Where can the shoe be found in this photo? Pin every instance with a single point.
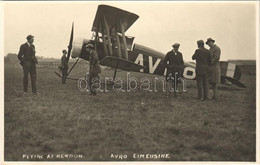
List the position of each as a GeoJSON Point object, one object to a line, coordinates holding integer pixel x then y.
{"type": "Point", "coordinates": [214, 98]}
{"type": "Point", "coordinates": [90, 94]}
{"type": "Point", "coordinates": [36, 93]}
{"type": "Point", "coordinates": [205, 98]}
{"type": "Point", "coordinates": [25, 93]}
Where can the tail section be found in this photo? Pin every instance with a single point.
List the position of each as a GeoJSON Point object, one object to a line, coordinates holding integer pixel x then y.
{"type": "Point", "coordinates": [230, 73]}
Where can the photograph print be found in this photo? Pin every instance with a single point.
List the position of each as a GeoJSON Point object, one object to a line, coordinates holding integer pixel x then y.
{"type": "Point", "coordinates": [129, 81]}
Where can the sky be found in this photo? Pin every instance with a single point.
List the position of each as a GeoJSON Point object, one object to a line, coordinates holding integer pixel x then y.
{"type": "Point", "coordinates": [233, 25]}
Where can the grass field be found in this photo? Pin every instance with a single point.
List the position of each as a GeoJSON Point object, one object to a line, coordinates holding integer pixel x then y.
{"type": "Point", "coordinates": [63, 120]}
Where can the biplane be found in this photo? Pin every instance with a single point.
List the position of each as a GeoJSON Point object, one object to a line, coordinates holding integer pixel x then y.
{"type": "Point", "coordinates": [116, 50]}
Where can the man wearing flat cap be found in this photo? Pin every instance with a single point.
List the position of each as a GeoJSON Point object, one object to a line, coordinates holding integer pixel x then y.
{"type": "Point", "coordinates": [173, 61]}
{"type": "Point", "coordinates": [64, 66]}
{"type": "Point", "coordinates": [94, 68]}
{"type": "Point", "coordinates": [203, 60]}
{"type": "Point", "coordinates": [28, 60]}
{"type": "Point", "coordinates": [214, 68]}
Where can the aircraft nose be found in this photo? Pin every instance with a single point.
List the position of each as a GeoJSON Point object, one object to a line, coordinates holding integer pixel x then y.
{"type": "Point", "coordinates": [77, 47]}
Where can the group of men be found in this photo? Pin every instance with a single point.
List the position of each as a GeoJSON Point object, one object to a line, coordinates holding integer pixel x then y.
{"type": "Point", "coordinates": [207, 67]}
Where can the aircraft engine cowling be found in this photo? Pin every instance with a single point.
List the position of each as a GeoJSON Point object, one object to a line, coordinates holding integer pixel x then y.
{"type": "Point", "coordinates": [77, 46]}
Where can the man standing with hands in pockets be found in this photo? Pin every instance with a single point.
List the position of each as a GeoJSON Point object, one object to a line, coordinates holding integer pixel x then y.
{"type": "Point", "coordinates": [28, 60]}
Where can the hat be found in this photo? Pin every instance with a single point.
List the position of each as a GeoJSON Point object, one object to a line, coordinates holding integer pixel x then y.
{"type": "Point", "coordinates": [89, 46]}
{"type": "Point", "coordinates": [176, 45]}
{"type": "Point", "coordinates": [200, 42]}
{"type": "Point", "coordinates": [64, 51]}
{"type": "Point", "coordinates": [29, 37]}
{"type": "Point", "coordinates": [210, 39]}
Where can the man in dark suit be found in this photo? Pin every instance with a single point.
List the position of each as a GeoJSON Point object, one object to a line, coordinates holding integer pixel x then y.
{"type": "Point", "coordinates": [94, 68]}
{"type": "Point", "coordinates": [28, 60]}
{"type": "Point", "coordinates": [203, 59]}
{"type": "Point", "coordinates": [173, 61]}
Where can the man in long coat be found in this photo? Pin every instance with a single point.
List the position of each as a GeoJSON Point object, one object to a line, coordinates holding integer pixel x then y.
{"type": "Point", "coordinates": [173, 61]}
{"type": "Point", "coordinates": [203, 60]}
{"type": "Point", "coordinates": [94, 68]}
{"type": "Point", "coordinates": [214, 68]}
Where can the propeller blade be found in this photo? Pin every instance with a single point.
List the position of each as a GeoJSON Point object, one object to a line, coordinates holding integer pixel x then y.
{"type": "Point", "coordinates": [71, 40]}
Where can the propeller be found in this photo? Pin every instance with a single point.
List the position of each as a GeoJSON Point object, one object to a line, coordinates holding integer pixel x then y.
{"type": "Point", "coordinates": [70, 44]}
{"type": "Point", "coordinates": [69, 49]}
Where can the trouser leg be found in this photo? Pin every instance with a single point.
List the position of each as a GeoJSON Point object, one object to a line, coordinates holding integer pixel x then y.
{"type": "Point", "coordinates": [63, 77]}
{"type": "Point", "coordinates": [64, 74]}
{"type": "Point", "coordinates": [205, 85]}
{"type": "Point", "coordinates": [90, 83]}
{"type": "Point", "coordinates": [215, 91]}
{"type": "Point", "coordinates": [92, 78]}
{"type": "Point", "coordinates": [169, 83]}
{"type": "Point", "coordinates": [199, 85]}
{"type": "Point", "coordinates": [175, 82]}
{"type": "Point", "coordinates": [175, 85]}
{"type": "Point", "coordinates": [33, 77]}
{"type": "Point", "coordinates": [63, 80]}
{"type": "Point", "coordinates": [167, 87]}
{"type": "Point", "coordinates": [25, 76]}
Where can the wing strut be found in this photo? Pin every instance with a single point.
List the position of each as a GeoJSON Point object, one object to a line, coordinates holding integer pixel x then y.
{"type": "Point", "coordinates": [118, 46]}
{"type": "Point", "coordinates": [115, 74]}
{"type": "Point", "coordinates": [96, 39]}
{"type": "Point", "coordinates": [124, 40]}
{"type": "Point", "coordinates": [103, 38]}
{"type": "Point", "coordinates": [115, 70]}
{"type": "Point", "coordinates": [108, 35]}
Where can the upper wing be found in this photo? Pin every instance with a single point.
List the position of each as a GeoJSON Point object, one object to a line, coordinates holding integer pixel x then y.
{"type": "Point", "coordinates": [113, 17]}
